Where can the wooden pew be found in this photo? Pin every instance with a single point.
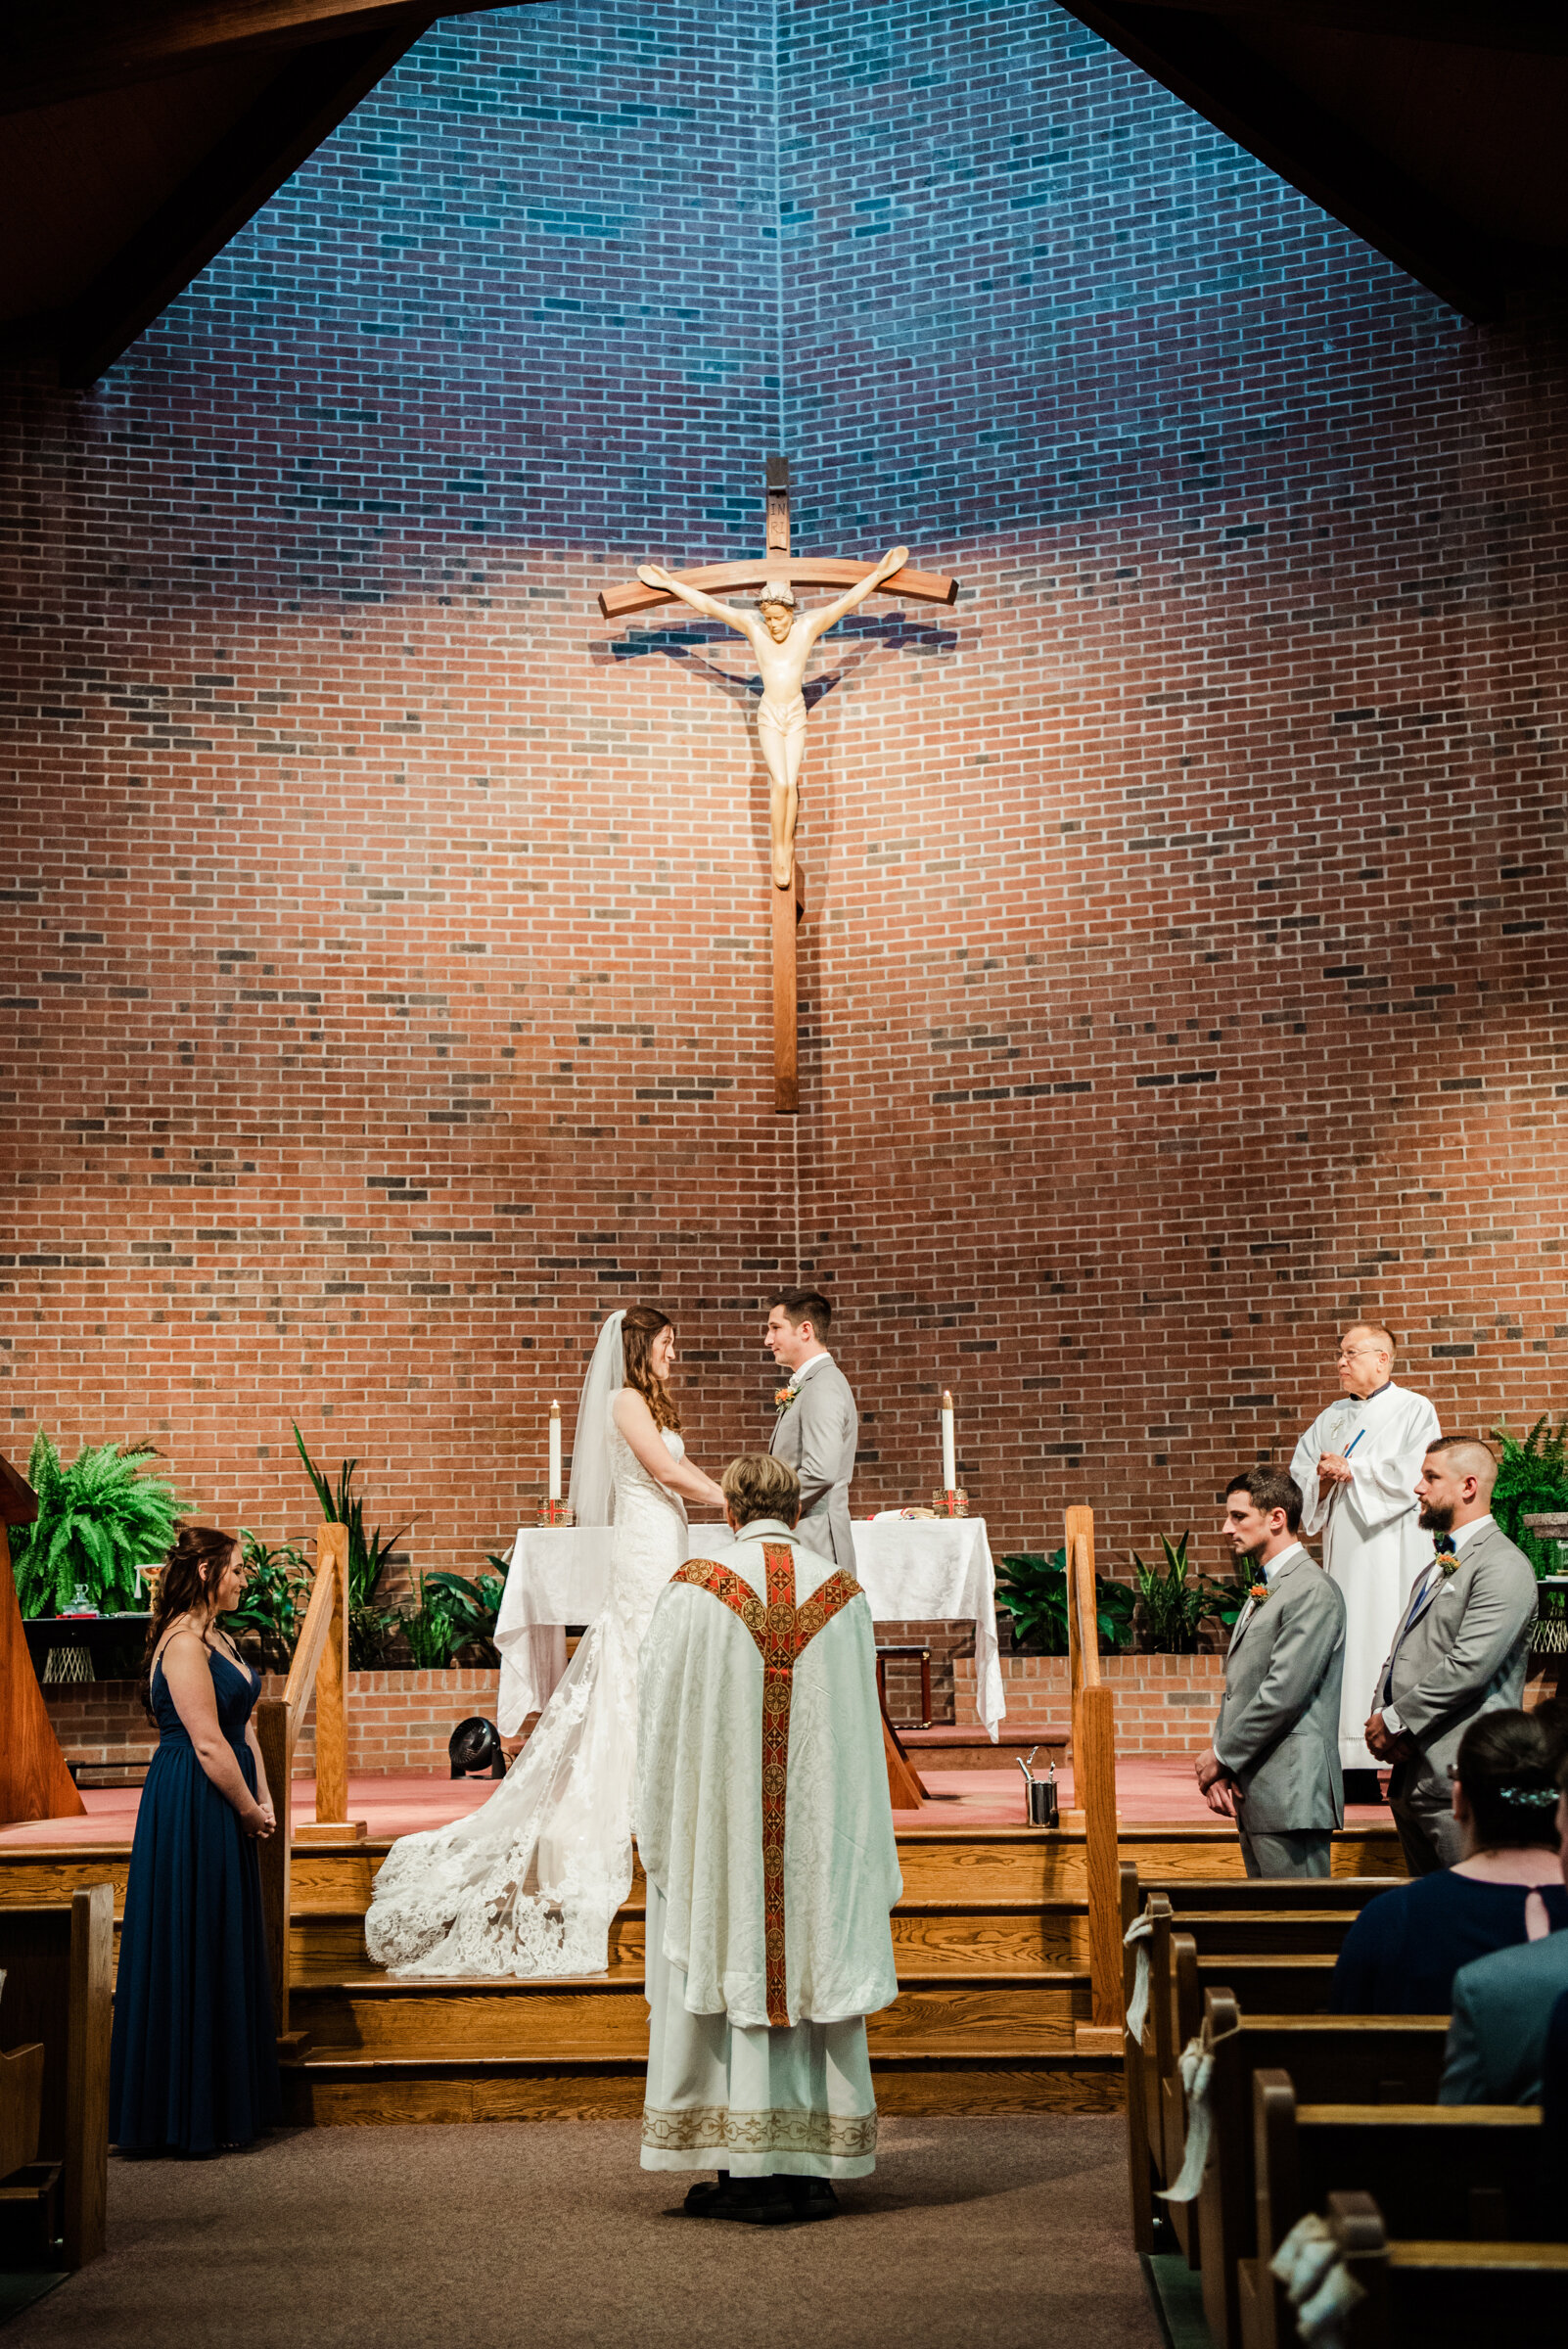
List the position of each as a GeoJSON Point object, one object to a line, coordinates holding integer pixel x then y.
{"type": "Point", "coordinates": [1333, 2059]}
{"type": "Point", "coordinates": [1291, 1918]}
{"type": "Point", "coordinates": [1300, 1984]}
{"type": "Point", "coordinates": [59, 1969]}
{"type": "Point", "coordinates": [1242, 1893]}
{"type": "Point", "coordinates": [1434, 2170]}
{"type": "Point", "coordinates": [1427, 2293]}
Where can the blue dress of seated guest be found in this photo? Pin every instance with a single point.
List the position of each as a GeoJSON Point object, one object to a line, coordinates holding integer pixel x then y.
{"type": "Point", "coordinates": [1403, 1952]}
{"type": "Point", "coordinates": [194, 2065]}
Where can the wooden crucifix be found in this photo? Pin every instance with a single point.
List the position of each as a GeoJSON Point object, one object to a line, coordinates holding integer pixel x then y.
{"type": "Point", "coordinates": [781, 632]}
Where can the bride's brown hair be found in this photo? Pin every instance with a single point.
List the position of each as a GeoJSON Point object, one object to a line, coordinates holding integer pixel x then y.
{"type": "Point", "coordinates": [641, 1325]}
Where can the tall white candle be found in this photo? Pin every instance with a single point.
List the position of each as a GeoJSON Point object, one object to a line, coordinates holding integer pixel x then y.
{"type": "Point", "coordinates": [949, 1454]}
{"type": "Point", "coordinates": [555, 1451]}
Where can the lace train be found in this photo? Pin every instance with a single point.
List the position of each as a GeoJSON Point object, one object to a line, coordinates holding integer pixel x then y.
{"type": "Point", "coordinates": [529, 1884]}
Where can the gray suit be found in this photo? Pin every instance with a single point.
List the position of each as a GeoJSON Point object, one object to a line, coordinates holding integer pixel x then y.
{"type": "Point", "coordinates": [1462, 1648]}
{"type": "Point", "coordinates": [817, 1436]}
{"type": "Point", "coordinates": [1277, 1733]}
{"type": "Point", "coordinates": [1502, 2012]}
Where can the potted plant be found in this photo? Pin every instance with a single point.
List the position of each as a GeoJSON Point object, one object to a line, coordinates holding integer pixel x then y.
{"type": "Point", "coordinates": [369, 1625]}
{"type": "Point", "coordinates": [1032, 1588]}
{"type": "Point", "coordinates": [277, 1593]}
{"type": "Point", "coordinates": [1533, 1482]}
{"type": "Point", "coordinates": [100, 1521]}
{"type": "Point", "coordinates": [1170, 1607]}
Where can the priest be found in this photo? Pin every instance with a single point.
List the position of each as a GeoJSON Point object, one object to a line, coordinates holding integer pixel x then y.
{"type": "Point", "coordinates": [1355, 1469]}
{"type": "Point", "coordinates": [763, 1823]}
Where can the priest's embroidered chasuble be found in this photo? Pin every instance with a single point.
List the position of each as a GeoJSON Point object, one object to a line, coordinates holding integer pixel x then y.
{"type": "Point", "coordinates": [762, 1820]}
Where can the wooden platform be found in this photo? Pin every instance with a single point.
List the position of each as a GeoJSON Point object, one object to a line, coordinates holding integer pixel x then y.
{"type": "Point", "coordinates": [992, 1937]}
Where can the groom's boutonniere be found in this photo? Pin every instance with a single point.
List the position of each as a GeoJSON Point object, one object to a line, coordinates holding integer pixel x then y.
{"type": "Point", "coordinates": [1257, 1592]}
{"type": "Point", "coordinates": [783, 1396]}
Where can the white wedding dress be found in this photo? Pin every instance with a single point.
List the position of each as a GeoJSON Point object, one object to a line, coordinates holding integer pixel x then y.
{"type": "Point", "coordinates": [529, 1882]}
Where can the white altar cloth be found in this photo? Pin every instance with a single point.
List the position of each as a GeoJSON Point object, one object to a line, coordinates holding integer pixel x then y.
{"type": "Point", "coordinates": [920, 1569]}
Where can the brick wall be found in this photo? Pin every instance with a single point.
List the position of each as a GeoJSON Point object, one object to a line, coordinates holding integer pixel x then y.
{"type": "Point", "coordinates": [385, 936]}
{"type": "Point", "coordinates": [396, 1719]}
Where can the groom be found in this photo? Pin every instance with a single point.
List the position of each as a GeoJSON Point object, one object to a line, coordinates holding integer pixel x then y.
{"type": "Point", "coordinates": [817, 1426]}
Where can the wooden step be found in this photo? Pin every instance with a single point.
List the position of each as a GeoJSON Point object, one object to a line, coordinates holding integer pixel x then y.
{"type": "Point", "coordinates": [570, 2019]}
{"type": "Point", "coordinates": [949, 1748]}
{"type": "Point", "coordinates": [330, 2089]}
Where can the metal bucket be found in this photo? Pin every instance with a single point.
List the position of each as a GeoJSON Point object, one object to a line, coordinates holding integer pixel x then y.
{"type": "Point", "coordinates": [1043, 1810]}
{"type": "Point", "coordinates": [1041, 1795]}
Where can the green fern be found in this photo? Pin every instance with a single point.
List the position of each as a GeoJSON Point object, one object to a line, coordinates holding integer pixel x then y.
{"type": "Point", "coordinates": [99, 1521]}
{"type": "Point", "coordinates": [1532, 1482]}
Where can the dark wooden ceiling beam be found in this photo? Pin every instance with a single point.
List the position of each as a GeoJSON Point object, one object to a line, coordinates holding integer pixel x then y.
{"type": "Point", "coordinates": [54, 50]}
{"type": "Point", "coordinates": [1526, 28]}
{"type": "Point", "coordinates": [1202, 62]}
{"type": "Point", "coordinates": [312, 93]}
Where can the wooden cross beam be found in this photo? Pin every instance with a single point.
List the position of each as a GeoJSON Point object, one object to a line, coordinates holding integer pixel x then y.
{"type": "Point", "coordinates": [777, 562]}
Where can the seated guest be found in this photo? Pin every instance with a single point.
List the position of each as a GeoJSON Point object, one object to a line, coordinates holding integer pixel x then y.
{"type": "Point", "coordinates": [194, 2065]}
{"type": "Point", "coordinates": [1503, 2009]}
{"type": "Point", "coordinates": [1403, 1952]}
{"type": "Point", "coordinates": [1461, 1648]}
{"type": "Point", "coordinates": [1273, 1766]}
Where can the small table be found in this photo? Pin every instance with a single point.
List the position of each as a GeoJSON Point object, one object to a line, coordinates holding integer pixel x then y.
{"type": "Point", "coordinates": [922, 1569]}
{"type": "Point", "coordinates": [97, 1634]}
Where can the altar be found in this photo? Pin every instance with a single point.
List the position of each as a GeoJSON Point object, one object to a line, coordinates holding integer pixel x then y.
{"type": "Point", "coordinates": [910, 1568]}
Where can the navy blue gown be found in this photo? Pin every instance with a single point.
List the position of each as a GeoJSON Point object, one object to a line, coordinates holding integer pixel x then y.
{"type": "Point", "coordinates": [1403, 1952]}
{"type": "Point", "coordinates": [195, 2060]}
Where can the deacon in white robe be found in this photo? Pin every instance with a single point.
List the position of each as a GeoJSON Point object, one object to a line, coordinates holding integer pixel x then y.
{"type": "Point", "coordinates": [765, 1832]}
{"type": "Point", "coordinates": [1355, 1469]}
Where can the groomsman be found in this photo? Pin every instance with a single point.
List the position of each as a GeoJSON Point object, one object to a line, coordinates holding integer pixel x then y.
{"type": "Point", "coordinates": [816, 1426]}
{"type": "Point", "coordinates": [1273, 1766]}
{"type": "Point", "coordinates": [1355, 1469]}
{"type": "Point", "coordinates": [1461, 1647]}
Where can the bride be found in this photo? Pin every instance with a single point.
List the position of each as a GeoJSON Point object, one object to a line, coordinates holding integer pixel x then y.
{"type": "Point", "coordinates": [528, 1883]}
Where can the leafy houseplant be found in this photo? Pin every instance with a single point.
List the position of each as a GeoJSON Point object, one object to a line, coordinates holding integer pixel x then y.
{"type": "Point", "coordinates": [473, 1607]}
{"type": "Point", "coordinates": [452, 1613]}
{"type": "Point", "coordinates": [1032, 1588]}
{"type": "Point", "coordinates": [1170, 1607]}
{"type": "Point", "coordinates": [98, 1521]}
{"type": "Point", "coordinates": [1532, 1481]}
{"type": "Point", "coordinates": [276, 1597]}
{"type": "Point", "coordinates": [368, 1553]}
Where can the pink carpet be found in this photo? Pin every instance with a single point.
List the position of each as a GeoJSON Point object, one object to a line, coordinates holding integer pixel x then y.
{"type": "Point", "coordinates": [1148, 1794]}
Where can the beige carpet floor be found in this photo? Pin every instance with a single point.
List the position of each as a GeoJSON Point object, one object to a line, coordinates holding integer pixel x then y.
{"type": "Point", "coordinates": [1006, 2233]}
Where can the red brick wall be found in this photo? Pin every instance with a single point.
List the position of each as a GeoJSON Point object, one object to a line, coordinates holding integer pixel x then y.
{"type": "Point", "coordinates": [396, 1719]}
{"type": "Point", "coordinates": [385, 936]}
{"type": "Point", "coordinates": [1165, 1705]}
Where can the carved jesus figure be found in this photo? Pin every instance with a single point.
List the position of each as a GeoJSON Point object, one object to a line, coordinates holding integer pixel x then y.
{"type": "Point", "coordinates": [782, 634]}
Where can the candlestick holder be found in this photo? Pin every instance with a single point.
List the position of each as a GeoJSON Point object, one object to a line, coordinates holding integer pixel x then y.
{"type": "Point", "coordinates": [556, 1512]}
{"type": "Point", "coordinates": [953, 1503]}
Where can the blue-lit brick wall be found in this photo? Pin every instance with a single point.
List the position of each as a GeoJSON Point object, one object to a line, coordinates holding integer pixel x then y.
{"type": "Point", "coordinates": [387, 935]}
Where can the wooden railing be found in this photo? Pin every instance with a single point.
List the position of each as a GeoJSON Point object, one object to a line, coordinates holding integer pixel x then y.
{"type": "Point", "coordinates": [320, 1665]}
{"type": "Point", "coordinates": [1095, 1773]}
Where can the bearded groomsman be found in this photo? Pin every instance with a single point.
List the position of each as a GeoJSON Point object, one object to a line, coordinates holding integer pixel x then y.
{"type": "Point", "coordinates": [1273, 1766]}
{"type": "Point", "coordinates": [817, 1426]}
{"type": "Point", "coordinates": [1463, 1647]}
{"type": "Point", "coordinates": [1355, 1469]}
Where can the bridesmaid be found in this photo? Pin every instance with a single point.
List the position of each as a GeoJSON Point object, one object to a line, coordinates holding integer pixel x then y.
{"type": "Point", "coordinates": [195, 2062]}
